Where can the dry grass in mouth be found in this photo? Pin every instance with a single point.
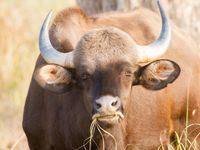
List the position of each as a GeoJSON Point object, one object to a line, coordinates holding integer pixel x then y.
{"type": "Point", "coordinates": [108, 116]}
{"type": "Point", "coordinates": [90, 138]}
{"type": "Point", "coordinates": [95, 126]}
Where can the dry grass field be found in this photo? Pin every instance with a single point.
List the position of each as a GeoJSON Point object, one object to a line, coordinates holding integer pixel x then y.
{"type": "Point", "coordinates": [20, 21]}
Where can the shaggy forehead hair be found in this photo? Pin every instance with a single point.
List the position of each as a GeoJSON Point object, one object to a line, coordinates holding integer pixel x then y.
{"type": "Point", "coordinates": [102, 46]}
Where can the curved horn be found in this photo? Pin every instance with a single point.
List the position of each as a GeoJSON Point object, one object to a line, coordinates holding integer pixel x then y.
{"type": "Point", "coordinates": [50, 54]}
{"type": "Point", "coordinates": [158, 47]}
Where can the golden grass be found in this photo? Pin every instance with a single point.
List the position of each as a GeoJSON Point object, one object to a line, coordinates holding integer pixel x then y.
{"type": "Point", "coordinates": [182, 141]}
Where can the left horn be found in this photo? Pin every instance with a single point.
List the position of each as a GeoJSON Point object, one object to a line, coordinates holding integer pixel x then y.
{"type": "Point", "coordinates": [158, 47]}
{"type": "Point", "coordinates": [48, 52]}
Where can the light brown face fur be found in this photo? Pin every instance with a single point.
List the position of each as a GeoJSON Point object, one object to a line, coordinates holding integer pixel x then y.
{"type": "Point", "coordinates": [106, 63]}
{"type": "Point", "coordinates": [102, 59]}
{"type": "Point", "coordinates": [100, 47]}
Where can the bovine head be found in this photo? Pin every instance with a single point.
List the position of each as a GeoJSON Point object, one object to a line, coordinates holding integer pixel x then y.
{"type": "Point", "coordinates": [107, 64]}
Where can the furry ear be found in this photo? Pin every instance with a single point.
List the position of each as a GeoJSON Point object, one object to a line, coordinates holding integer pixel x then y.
{"type": "Point", "coordinates": [158, 74]}
{"type": "Point", "coordinates": [54, 78]}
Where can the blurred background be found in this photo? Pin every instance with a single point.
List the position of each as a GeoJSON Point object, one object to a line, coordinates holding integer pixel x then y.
{"type": "Point", "coordinates": [20, 22]}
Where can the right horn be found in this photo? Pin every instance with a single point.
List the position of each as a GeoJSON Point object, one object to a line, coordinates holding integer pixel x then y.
{"type": "Point", "coordinates": [158, 47]}
{"type": "Point", "coordinates": [48, 52]}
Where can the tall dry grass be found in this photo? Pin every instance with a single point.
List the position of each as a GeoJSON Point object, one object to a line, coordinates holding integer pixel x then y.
{"type": "Point", "coordinates": [20, 21]}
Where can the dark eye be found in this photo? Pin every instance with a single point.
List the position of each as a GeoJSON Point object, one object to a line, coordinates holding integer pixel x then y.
{"type": "Point", "coordinates": [129, 73]}
{"type": "Point", "coordinates": [85, 76]}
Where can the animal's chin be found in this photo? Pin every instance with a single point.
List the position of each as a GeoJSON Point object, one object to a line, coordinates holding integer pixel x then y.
{"type": "Point", "coordinates": [110, 119]}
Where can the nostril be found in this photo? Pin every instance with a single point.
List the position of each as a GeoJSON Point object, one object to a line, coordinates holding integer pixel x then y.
{"type": "Point", "coordinates": [98, 105]}
{"type": "Point", "coordinates": [114, 103]}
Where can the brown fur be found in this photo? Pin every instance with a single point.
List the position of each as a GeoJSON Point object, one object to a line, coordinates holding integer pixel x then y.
{"type": "Point", "coordinates": [54, 121]}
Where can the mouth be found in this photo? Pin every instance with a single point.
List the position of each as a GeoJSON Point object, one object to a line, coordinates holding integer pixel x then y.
{"type": "Point", "coordinates": [108, 118]}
